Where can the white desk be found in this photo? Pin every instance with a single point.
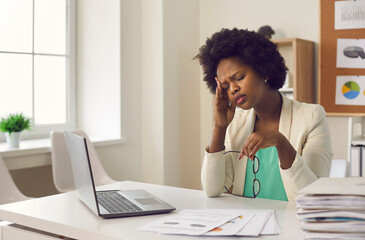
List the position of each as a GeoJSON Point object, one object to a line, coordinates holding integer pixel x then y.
{"type": "Point", "coordinates": [65, 215]}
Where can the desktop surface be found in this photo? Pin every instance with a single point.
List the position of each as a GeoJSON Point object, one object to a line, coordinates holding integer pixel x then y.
{"type": "Point", "coordinates": [66, 215]}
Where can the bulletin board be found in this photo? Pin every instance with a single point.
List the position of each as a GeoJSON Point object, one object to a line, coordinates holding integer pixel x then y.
{"type": "Point", "coordinates": [328, 70]}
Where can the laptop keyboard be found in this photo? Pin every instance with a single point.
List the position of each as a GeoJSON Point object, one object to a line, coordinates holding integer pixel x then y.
{"type": "Point", "coordinates": [113, 202]}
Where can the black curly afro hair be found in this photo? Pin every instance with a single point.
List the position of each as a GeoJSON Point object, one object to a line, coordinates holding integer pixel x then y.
{"type": "Point", "coordinates": [251, 48]}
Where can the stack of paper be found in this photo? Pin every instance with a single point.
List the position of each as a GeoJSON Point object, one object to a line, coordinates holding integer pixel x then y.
{"type": "Point", "coordinates": [333, 208]}
{"type": "Point", "coordinates": [217, 222]}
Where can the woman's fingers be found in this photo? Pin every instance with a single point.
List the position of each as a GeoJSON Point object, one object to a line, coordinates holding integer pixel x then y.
{"type": "Point", "coordinates": [218, 91]}
{"type": "Point", "coordinates": [258, 140]}
{"type": "Point", "coordinates": [222, 92]}
{"type": "Point", "coordinates": [224, 111]}
{"type": "Point", "coordinates": [251, 146]}
{"type": "Point", "coordinates": [244, 151]}
{"type": "Point", "coordinates": [255, 148]}
{"type": "Point", "coordinates": [221, 95]}
{"type": "Point", "coordinates": [219, 85]}
{"type": "Point", "coordinates": [254, 141]}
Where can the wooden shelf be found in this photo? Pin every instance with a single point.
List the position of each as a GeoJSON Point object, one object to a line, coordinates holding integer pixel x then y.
{"type": "Point", "coordinates": [299, 58]}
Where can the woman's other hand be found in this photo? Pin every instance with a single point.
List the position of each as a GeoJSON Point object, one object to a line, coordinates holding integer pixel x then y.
{"type": "Point", "coordinates": [265, 139]}
{"type": "Point", "coordinates": [258, 140]}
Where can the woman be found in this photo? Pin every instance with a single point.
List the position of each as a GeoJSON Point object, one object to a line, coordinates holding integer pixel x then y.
{"type": "Point", "coordinates": [263, 144]}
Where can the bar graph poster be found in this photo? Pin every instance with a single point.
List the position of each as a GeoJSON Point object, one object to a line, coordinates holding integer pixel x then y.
{"type": "Point", "coordinates": [350, 90]}
{"type": "Point", "coordinates": [349, 14]}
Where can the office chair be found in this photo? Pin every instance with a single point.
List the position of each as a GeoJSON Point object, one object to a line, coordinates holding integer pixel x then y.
{"type": "Point", "coordinates": [339, 168]}
{"type": "Point", "coordinates": [9, 192]}
{"type": "Point", "coordinates": [61, 166]}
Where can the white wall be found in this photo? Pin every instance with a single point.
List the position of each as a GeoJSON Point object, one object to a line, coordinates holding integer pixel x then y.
{"type": "Point", "coordinates": [105, 55]}
{"type": "Point", "coordinates": [98, 67]}
{"type": "Point", "coordinates": [160, 89]}
{"type": "Point", "coordinates": [151, 91]}
{"type": "Point", "coordinates": [339, 127]}
{"type": "Point", "coordinates": [159, 81]}
{"type": "Point", "coordinates": [127, 164]}
{"type": "Point", "coordinates": [181, 93]}
{"type": "Point", "coordinates": [289, 18]}
{"type": "Point", "coordinates": [170, 93]}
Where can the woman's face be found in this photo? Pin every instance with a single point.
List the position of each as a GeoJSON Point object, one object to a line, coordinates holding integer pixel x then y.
{"type": "Point", "coordinates": [243, 85]}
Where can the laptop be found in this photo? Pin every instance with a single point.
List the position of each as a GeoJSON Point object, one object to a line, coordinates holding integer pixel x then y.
{"type": "Point", "coordinates": [110, 203]}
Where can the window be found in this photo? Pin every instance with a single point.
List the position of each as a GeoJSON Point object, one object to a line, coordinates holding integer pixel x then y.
{"type": "Point", "coordinates": [37, 63]}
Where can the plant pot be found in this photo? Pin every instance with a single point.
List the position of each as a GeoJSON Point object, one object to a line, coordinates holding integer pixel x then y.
{"type": "Point", "coordinates": [13, 139]}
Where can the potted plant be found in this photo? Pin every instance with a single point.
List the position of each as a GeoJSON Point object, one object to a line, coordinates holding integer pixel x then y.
{"type": "Point", "coordinates": [12, 126]}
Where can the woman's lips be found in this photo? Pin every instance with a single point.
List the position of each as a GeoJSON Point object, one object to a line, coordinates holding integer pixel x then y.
{"type": "Point", "coordinates": [240, 99]}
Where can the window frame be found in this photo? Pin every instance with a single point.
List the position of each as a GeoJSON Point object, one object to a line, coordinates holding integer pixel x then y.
{"type": "Point", "coordinates": [43, 130]}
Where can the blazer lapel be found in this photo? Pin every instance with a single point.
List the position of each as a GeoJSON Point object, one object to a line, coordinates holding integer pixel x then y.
{"type": "Point", "coordinates": [240, 172]}
{"type": "Point", "coordinates": [286, 117]}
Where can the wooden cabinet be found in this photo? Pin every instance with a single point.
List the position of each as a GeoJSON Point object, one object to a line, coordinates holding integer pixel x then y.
{"type": "Point", "coordinates": [299, 58]}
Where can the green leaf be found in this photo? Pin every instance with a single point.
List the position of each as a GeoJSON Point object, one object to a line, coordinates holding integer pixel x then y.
{"type": "Point", "coordinates": [15, 123]}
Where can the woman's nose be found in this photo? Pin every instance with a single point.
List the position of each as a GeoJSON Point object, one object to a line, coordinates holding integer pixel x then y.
{"type": "Point", "coordinates": [234, 88]}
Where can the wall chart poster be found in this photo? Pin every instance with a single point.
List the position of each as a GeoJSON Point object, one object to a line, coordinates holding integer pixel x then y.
{"type": "Point", "coordinates": [349, 14]}
{"type": "Point", "coordinates": [350, 90]}
{"type": "Point", "coordinates": [350, 53]}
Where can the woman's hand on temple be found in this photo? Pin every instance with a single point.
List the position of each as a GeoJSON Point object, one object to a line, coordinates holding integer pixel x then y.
{"type": "Point", "coordinates": [223, 110]}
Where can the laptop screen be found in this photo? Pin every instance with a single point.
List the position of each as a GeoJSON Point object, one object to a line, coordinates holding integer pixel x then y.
{"type": "Point", "coordinates": [81, 170]}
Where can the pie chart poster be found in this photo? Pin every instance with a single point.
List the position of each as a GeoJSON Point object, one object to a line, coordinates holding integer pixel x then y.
{"type": "Point", "coordinates": [350, 53]}
{"type": "Point", "coordinates": [350, 90]}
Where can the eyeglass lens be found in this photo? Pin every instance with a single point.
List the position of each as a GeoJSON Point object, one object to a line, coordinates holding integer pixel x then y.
{"type": "Point", "coordinates": [256, 165]}
{"type": "Point", "coordinates": [256, 183]}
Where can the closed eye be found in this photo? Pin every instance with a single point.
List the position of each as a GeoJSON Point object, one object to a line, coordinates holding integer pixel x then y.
{"type": "Point", "coordinates": [240, 78]}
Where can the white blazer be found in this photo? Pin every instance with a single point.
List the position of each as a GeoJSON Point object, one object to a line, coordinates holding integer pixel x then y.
{"type": "Point", "coordinates": [306, 128]}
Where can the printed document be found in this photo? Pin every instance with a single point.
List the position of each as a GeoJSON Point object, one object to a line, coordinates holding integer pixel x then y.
{"type": "Point", "coordinates": [217, 222]}
{"type": "Point", "coordinates": [192, 222]}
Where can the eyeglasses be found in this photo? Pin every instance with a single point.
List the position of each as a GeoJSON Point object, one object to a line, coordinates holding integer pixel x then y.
{"type": "Point", "coordinates": [256, 185]}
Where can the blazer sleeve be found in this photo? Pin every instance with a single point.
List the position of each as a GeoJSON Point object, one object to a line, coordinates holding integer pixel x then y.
{"type": "Point", "coordinates": [316, 156]}
{"type": "Point", "coordinates": [217, 172]}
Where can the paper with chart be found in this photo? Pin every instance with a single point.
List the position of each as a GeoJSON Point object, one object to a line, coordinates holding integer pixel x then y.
{"type": "Point", "coordinates": [256, 225]}
{"type": "Point", "coordinates": [350, 90]}
{"type": "Point", "coordinates": [233, 226]}
{"type": "Point", "coordinates": [349, 14]}
{"type": "Point", "coordinates": [192, 222]}
{"type": "Point", "coordinates": [217, 222]}
{"type": "Point", "coordinates": [250, 223]}
{"type": "Point", "coordinates": [350, 53]}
